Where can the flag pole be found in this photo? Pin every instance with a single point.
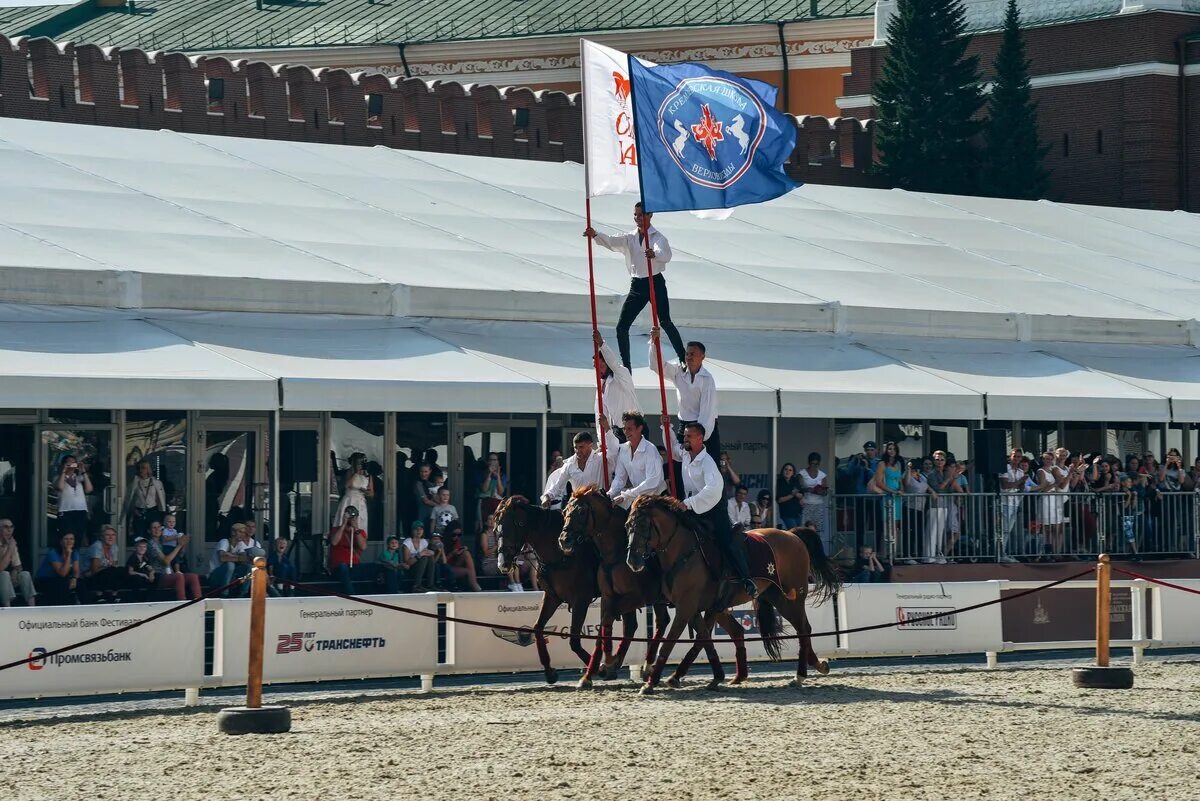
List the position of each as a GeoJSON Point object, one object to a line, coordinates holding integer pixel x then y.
{"type": "Point", "coordinates": [587, 209]}
{"type": "Point", "coordinates": [645, 226]}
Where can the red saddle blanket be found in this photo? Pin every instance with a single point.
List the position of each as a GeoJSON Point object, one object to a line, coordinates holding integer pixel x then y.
{"type": "Point", "coordinates": [761, 558]}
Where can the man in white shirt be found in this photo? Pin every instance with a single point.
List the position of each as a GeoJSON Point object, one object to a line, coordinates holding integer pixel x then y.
{"type": "Point", "coordinates": [739, 508]}
{"type": "Point", "coordinates": [1012, 484]}
{"type": "Point", "coordinates": [617, 388]}
{"type": "Point", "coordinates": [636, 253]}
{"type": "Point", "coordinates": [638, 466]}
{"type": "Point", "coordinates": [584, 467]}
{"type": "Point", "coordinates": [696, 392]}
{"type": "Point", "coordinates": [704, 488]}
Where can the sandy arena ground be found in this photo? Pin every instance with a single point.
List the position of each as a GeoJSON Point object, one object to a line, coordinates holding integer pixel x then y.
{"type": "Point", "coordinates": [902, 734]}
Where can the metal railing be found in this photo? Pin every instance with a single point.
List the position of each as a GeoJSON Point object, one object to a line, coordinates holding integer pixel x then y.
{"type": "Point", "coordinates": [1018, 526]}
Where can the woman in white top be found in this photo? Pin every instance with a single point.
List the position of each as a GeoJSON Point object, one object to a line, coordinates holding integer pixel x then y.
{"type": "Point", "coordinates": [916, 487]}
{"type": "Point", "coordinates": [1050, 505]}
{"type": "Point", "coordinates": [814, 484]}
{"type": "Point", "coordinates": [73, 487]}
{"type": "Point", "coordinates": [358, 486]}
{"type": "Point", "coordinates": [147, 501]}
{"type": "Point", "coordinates": [419, 559]}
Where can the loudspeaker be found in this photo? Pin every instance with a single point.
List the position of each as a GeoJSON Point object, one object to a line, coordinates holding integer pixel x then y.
{"type": "Point", "coordinates": [297, 456]}
{"type": "Point", "coordinates": [988, 445]}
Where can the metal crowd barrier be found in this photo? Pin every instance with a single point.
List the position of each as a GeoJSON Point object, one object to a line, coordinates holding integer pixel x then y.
{"type": "Point", "coordinates": [1017, 527]}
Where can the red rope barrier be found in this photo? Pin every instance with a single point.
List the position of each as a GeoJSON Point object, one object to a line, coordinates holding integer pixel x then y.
{"type": "Point", "coordinates": [106, 635]}
{"type": "Point", "coordinates": [1156, 581]}
{"type": "Point", "coordinates": [504, 627]}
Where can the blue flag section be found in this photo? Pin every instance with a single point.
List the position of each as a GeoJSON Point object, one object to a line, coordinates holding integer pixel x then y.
{"type": "Point", "coordinates": [707, 139]}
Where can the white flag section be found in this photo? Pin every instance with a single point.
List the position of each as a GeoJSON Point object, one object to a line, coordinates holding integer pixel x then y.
{"type": "Point", "coordinates": [609, 148]}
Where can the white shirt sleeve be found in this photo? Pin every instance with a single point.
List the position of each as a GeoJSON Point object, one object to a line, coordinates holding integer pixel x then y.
{"type": "Point", "coordinates": [617, 244]}
{"type": "Point", "coordinates": [708, 407]}
{"type": "Point", "coordinates": [674, 448]}
{"type": "Point", "coordinates": [662, 248]}
{"type": "Point", "coordinates": [555, 482]}
{"type": "Point", "coordinates": [670, 368]}
{"type": "Point", "coordinates": [620, 476]}
{"type": "Point", "coordinates": [714, 489]}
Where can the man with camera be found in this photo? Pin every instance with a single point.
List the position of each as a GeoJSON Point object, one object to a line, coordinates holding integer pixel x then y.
{"type": "Point", "coordinates": [73, 487]}
{"type": "Point", "coordinates": [346, 543]}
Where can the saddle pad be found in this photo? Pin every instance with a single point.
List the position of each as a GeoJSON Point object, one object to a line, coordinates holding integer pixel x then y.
{"type": "Point", "coordinates": [761, 558]}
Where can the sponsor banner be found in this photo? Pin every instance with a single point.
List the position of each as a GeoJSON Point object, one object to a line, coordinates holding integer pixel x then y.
{"type": "Point", "coordinates": [478, 649]}
{"type": "Point", "coordinates": [164, 655]}
{"type": "Point", "coordinates": [1177, 621]}
{"type": "Point", "coordinates": [904, 606]}
{"type": "Point", "coordinates": [318, 639]}
{"type": "Point", "coordinates": [1063, 614]}
{"type": "Point", "coordinates": [820, 618]}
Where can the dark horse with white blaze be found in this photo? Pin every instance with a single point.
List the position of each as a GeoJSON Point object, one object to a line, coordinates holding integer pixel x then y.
{"type": "Point", "coordinates": [591, 517]}
{"type": "Point", "coordinates": [563, 579]}
{"type": "Point", "coordinates": [656, 526]}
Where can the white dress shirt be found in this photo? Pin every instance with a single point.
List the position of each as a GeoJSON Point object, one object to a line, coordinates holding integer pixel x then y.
{"type": "Point", "coordinates": [697, 394]}
{"type": "Point", "coordinates": [620, 395]}
{"type": "Point", "coordinates": [739, 515]}
{"type": "Point", "coordinates": [578, 477]}
{"type": "Point", "coordinates": [641, 471]}
{"type": "Point", "coordinates": [702, 481]}
{"type": "Point", "coordinates": [635, 253]}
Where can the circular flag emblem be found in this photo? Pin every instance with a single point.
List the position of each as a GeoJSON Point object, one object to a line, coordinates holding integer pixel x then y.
{"type": "Point", "coordinates": [711, 127]}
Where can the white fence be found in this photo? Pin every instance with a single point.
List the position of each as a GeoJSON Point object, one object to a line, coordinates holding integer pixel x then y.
{"type": "Point", "coordinates": [323, 639]}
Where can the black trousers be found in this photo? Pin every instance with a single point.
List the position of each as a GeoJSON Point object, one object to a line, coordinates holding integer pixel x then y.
{"type": "Point", "coordinates": [635, 301]}
{"type": "Point", "coordinates": [718, 518]}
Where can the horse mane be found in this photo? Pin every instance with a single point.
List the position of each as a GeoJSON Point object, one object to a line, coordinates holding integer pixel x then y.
{"type": "Point", "coordinates": [589, 489]}
{"type": "Point", "coordinates": [651, 502]}
{"type": "Point", "coordinates": [511, 500]}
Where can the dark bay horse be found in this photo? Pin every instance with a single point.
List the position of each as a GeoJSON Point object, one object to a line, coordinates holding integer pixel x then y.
{"type": "Point", "coordinates": [591, 515]}
{"type": "Point", "coordinates": [656, 527]}
{"type": "Point", "coordinates": [563, 579]}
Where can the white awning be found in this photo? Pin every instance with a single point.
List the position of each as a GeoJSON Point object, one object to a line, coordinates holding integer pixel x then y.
{"type": "Point", "coordinates": [342, 363]}
{"type": "Point", "coordinates": [98, 359]}
{"type": "Point", "coordinates": [1173, 372]}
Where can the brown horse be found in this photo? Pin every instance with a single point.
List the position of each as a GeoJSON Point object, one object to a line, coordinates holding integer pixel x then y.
{"type": "Point", "coordinates": [563, 579]}
{"type": "Point", "coordinates": [655, 526]}
{"type": "Point", "coordinates": [590, 514]}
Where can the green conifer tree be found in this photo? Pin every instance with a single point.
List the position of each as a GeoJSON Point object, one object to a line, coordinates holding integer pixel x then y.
{"type": "Point", "coordinates": [927, 98]}
{"type": "Point", "coordinates": [1012, 163]}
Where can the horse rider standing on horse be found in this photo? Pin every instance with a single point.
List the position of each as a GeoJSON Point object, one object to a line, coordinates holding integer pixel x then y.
{"type": "Point", "coordinates": [639, 468]}
{"type": "Point", "coordinates": [584, 467]}
{"type": "Point", "coordinates": [696, 392]}
{"type": "Point", "coordinates": [617, 388]}
{"type": "Point", "coordinates": [636, 252]}
{"type": "Point", "coordinates": [704, 490]}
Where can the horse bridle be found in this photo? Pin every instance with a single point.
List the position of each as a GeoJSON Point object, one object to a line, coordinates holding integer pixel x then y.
{"type": "Point", "coordinates": [673, 571]}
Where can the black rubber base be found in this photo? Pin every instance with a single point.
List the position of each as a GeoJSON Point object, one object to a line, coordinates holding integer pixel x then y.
{"type": "Point", "coordinates": [264, 720]}
{"type": "Point", "coordinates": [1102, 678]}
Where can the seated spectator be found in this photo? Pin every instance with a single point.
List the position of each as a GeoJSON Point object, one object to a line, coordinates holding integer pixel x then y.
{"type": "Point", "coordinates": [104, 572]}
{"type": "Point", "coordinates": [419, 559]}
{"type": "Point", "coordinates": [12, 577]}
{"type": "Point", "coordinates": [442, 513]}
{"type": "Point", "coordinates": [233, 559]}
{"type": "Point", "coordinates": [443, 578]}
{"type": "Point", "coordinates": [739, 509]}
{"type": "Point", "coordinates": [184, 585]}
{"type": "Point", "coordinates": [392, 568]}
{"type": "Point", "coordinates": [487, 547]}
{"type": "Point", "coordinates": [346, 543]}
{"type": "Point", "coordinates": [140, 569]}
{"type": "Point", "coordinates": [867, 567]}
{"type": "Point", "coordinates": [762, 514]}
{"type": "Point", "coordinates": [57, 577]}
{"type": "Point", "coordinates": [458, 557]}
{"type": "Point", "coordinates": [280, 567]}
{"type": "Point", "coordinates": [174, 544]}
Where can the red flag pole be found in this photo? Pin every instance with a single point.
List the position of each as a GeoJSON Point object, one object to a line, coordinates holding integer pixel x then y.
{"type": "Point", "coordinates": [596, 360]}
{"type": "Point", "coordinates": [662, 381]}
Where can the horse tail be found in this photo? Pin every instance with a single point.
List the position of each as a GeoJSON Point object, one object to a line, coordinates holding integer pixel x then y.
{"type": "Point", "coordinates": [824, 571]}
{"type": "Point", "coordinates": [769, 627]}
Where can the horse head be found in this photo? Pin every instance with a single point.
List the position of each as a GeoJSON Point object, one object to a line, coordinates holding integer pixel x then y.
{"type": "Point", "coordinates": [644, 529]}
{"type": "Point", "coordinates": [512, 522]}
{"type": "Point", "coordinates": [588, 513]}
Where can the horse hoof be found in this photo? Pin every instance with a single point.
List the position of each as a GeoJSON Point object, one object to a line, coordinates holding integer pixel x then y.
{"type": "Point", "coordinates": [823, 667]}
{"type": "Point", "coordinates": [584, 684]}
{"type": "Point", "coordinates": [736, 680]}
{"type": "Point", "coordinates": [551, 675]}
{"type": "Point", "coordinates": [610, 672]}
{"type": "Point", "coordinates": [674, 682]}
{"type": "Point", "coordinates": [646, 672]}
{"type": "Point", "coordinates": [715, 684]}
{"type": "Point", "coordinates": [796, 682]}
{"type": "Point", "coordinates": [646, 690]}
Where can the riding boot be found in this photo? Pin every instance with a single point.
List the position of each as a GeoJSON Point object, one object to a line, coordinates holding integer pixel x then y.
{"type": "Point", "coordinates": [737, 555]}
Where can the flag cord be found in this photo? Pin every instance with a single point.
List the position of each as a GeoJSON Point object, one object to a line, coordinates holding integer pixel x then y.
{"type": "Point", "coordinates": [596, 360]}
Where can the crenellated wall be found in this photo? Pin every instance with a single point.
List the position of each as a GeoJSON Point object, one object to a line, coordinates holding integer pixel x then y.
{"type": "Point", "coordinates": [80, 83]}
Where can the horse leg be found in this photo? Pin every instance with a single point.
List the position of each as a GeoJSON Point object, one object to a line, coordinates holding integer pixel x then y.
{"type": "Point", "coordinates": [738, 636]}
{"type": "Point", "coordinates": [796, 614]}
{"type": "Point", "coordinates": [810, 656]}
{"type": "Point", "coordinates": [684, 666]}
{"type": "Point", "coordinates": [629, 628]}
{"type": "Point", "coordinates": [662, 615]}
{"type": "Point", "coordinates": [549, 607]}
{"type": "Point", "coordinates": [585, 681]}
{"type": "Point", "coordinates": [664, 654]}
{"type": "Point", "coordinates": [577, 616]}
{"type": "Point", "coordinates": [704, 629]}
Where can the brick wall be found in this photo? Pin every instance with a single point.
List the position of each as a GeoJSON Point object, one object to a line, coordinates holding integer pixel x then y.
{"type": "Point", "coordinates": [135, 89]}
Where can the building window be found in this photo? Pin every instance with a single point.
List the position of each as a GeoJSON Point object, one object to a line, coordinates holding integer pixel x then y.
{"type": "Point", "coordinates": [158, 439]}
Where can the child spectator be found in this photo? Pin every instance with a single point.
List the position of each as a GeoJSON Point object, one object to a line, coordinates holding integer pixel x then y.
{"type": "Point", "coordinates": [391, 565]}
{"type": "Point", "coordinates": [441, 514]}
{"type": "Point", "coordinates": [140, 569]}
{"type": "Point", "coordinates": [174, 544]}
{"type": "Point", "coordinates": [867, 567]}
{"type": "Point", "coordinates": [184, 585]}
{"type": "Point", "coordinates": [419, 559]}
{"type": "Point", "coordinates": [280, 567]}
